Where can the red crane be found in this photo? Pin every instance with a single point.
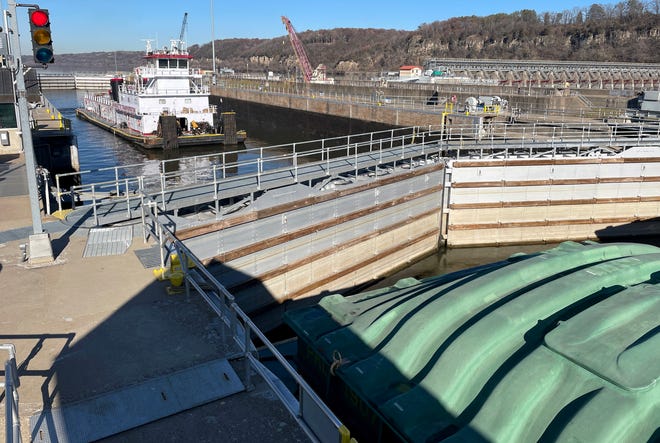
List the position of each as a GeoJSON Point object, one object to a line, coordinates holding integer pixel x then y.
{"type": "Point", "coordinates": [299, 49]}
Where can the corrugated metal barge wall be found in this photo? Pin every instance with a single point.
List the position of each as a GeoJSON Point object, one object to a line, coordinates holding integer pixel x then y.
{"type": "Point", "coordinates": [511, 201]}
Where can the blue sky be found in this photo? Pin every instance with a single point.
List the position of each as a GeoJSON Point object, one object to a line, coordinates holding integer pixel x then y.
{"type": "Point", "coordinates": [116, 25]}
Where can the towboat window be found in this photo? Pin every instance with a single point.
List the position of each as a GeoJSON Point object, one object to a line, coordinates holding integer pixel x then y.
{"type": "Point", "coordinates": [183, 64]}
{"type": "Point", "coordinates": [162, 63]}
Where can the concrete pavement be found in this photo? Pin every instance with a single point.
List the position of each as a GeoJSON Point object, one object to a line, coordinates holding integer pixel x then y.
{"type": "Point", "coordinates": [84, 326]}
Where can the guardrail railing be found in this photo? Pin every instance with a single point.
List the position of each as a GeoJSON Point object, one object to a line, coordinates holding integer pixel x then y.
{"type": "Point", "coordinates": [385, 96]}
{"type": "Point", "coordinates": [311, 413]}
{"type": "Point", "coordinates": [213, 168]}
{"type": "Point", "coordinates": [11, 384]}
{"type": "Point", "coordinates": [483, 140]}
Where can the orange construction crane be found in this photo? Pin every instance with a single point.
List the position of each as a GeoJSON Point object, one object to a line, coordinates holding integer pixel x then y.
{"type": "Point", "coordinates": [299, 49]}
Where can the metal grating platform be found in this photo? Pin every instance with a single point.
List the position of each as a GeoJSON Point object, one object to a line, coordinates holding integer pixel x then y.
{"type": "Point", "coordinates": [108, 241]}
{"type": "Point", "coordinates": [136, 405]}
{"type": "Point", "coordinates": [150, 257]}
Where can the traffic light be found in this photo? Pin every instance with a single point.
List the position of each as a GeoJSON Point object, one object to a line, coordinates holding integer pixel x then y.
{"type": "Point", "coordinates": [42, 43]}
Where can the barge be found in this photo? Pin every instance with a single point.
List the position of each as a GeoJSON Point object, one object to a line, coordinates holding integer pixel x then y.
{"type": "Point", "coordinates": [555, 346]}
{"type": "Point", "coordinates": [163, 104]}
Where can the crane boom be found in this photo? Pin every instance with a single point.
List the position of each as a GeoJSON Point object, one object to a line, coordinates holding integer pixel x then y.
{"type": "Point", "coordinates": [299, 50]}
{"type": "Point", "coordinates": [183, 26]}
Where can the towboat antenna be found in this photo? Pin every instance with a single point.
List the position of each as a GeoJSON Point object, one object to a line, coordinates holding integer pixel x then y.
{"type": "Point", "coordinates": [212, 38]}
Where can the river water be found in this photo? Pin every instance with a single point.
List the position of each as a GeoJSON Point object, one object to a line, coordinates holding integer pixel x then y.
{"type": "Point", "coordinates": [100, 149]}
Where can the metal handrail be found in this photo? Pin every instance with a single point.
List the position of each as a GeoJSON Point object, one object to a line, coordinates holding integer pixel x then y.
{"type": "Point", "coordinates": [11, 384]}
{"type": "Point", "coordinates": [410, 102]}
{"type": "Point", "coordinates": [498, 133]}
{"type": "Point", "coordinates": [223, 303]}
{"type": "Point", "coordinates": [457, 141]}
{"type": "Point", "coordinates": [265, 159]}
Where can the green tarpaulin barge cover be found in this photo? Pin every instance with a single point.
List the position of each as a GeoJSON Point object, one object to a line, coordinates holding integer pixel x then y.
{"type": "Point", "coordinates": [562, 345]}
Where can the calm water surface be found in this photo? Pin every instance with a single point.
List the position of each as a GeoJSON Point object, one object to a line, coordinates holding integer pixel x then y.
{"type": "Point", "coordinates": [100, 149]}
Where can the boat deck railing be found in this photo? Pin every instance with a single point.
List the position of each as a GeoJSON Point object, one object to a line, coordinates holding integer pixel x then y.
{"type": "Point", "coordinates": [311, 413]}
{"type": "Point", "coordinates": [10, 385]}
{"type": "Point", "coordinates": [210, 178]}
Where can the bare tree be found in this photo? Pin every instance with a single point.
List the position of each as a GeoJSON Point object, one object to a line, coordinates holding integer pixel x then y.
{"type": "Point", "coordinates": [596, 13]}
{"type": "Point", "coordinates": [654, 6]}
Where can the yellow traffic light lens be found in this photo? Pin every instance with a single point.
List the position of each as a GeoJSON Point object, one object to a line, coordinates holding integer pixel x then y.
{"type": "Point", "coordinates": [39, 18]}
{"type": "Point", "coordinates": [41, 37]}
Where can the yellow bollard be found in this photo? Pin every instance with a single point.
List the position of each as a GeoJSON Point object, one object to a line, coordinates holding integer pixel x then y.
{"type": "Point", "coordinates": [176, 272]}
{"type": "Point", "coordinates": [161, 273]}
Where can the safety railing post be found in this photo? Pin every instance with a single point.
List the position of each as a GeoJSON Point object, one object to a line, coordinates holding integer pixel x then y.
{"type": "Point", "coordinates": [183, 258]}
{"type": "Point", "coordinates": [162, 191]}
{"type": "Point", "coordinates": [295, 167]}
{"type": "Point", "coordinates": [380, 151]}
{"type": "Point", "coordinates": [46, 190]}
{"type": "Point", "coordinates": [11, 384]}
{"type": "Point", "coordinates": [128, 199]}
{"type": "Point", "coordinates": [117, 181]}
{"type": "Point", "coordinates": [246, 344]}
{"type": "Point", "coordinates": [259, 173]}
{"type": "Point", "coordinates": [403, 146]}
{"type": "Point", "coordinates": [356, 162]}
{"type": "Point", "coordinates": [215, 190]}
{"type": "Point", "coordinates": [161, 242]}
{"type": "Point", "coordinates": [96, 219]}
{"type": "Point", "coordinates": [142, 208]}
{"type": "Point", "coordinates": [423, 142]}
{"type": "Point", "coordinates": [59, 194]}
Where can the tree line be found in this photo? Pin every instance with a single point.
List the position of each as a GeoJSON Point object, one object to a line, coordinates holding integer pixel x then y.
{"type": "Point", "coordinates": [628, 31]}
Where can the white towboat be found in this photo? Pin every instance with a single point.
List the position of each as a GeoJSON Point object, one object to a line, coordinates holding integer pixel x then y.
{"type": "Point", "coordinates": [163, 104]}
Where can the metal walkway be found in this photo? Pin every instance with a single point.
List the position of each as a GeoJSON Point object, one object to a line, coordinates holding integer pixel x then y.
{"type": "Point", "coordinates": [173, 196]}
{"type": "Point", "coordinates": [119, 200]}
{"type": "Point", "coordinates": [136, 405]}
{"type": "Point", "coordinates": [108, 241]}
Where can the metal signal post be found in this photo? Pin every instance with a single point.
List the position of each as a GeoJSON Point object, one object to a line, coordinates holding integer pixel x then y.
{"type": "Point", "coordinates": [40, 250]}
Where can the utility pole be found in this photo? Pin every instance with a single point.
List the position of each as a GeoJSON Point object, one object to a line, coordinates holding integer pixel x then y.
{"type": "Point", "coordinates": [40, 249]}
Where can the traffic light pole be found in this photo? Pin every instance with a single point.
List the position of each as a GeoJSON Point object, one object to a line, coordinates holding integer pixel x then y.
{"type": "Point", "coordinates": [40, 250]}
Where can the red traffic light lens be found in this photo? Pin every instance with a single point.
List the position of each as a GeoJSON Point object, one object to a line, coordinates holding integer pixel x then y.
{"type": "Point", "coordinates": [39, 18]}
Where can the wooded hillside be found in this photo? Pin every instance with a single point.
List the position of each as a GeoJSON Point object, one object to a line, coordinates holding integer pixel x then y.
{"type": "Point", "coordinates": [628, 31]}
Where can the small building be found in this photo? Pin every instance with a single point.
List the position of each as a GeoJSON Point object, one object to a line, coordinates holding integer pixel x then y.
{"type": "Point", "coordinates": [409, 71]}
